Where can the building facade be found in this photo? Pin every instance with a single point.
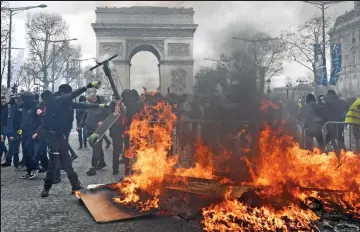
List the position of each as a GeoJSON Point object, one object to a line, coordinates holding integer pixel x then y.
{"type": "Point", "coordinates": [346, 30]}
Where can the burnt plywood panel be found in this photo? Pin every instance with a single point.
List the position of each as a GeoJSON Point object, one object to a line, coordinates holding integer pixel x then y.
{"type": "Point", "coordinates": [101, 206]}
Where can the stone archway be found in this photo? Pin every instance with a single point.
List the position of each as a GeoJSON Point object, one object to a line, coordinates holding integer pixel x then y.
{"type": "Point", "coordinates": [166, 32]}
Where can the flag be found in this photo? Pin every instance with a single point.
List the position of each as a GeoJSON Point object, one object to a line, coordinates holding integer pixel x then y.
{"type": "Point", "coordinates": [335, 63]}
{"type": "Point", "coordinates": [320, 66]}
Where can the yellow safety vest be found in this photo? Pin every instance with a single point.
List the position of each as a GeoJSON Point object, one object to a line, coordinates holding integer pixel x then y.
{"type": "Point", "coordinates": [353, 115]}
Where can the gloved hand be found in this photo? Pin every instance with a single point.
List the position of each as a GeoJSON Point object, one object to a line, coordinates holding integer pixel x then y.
{"type": "Point", "coordinates": [94, 84]}
{"type": "Point", "coordinates": [93, 137]}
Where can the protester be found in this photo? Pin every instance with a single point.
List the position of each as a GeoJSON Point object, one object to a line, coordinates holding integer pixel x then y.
{"type": "Point", "coordinates": [4, 121]}
{"type": "Point", "coordinates": [335, 109]}
{"type": "Point", "coordinates": [55, 136]}
{"type": "Point", "coordinates": [353, 119]}
{"type": "Point", "coordinates": [92, 119]}
{"type": "Point", "coordinates": [313, 117]}
{"type": "Point", "coordinates": [82, 135]}
{"type": "Point", "coordinates": [28, 126]}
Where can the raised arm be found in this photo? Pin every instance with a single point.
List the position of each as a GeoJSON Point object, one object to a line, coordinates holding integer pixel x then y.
{"type": "Point", "coordinates": [78, 92]}
{"type": "Point", "coordinates": [78, 105]}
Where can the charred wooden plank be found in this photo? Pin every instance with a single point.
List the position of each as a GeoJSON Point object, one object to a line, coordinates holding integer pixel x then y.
{"type": "Point", "coordinates": [99, 202]}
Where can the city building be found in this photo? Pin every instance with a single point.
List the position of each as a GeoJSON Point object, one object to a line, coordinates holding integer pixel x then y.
{"type": "Point", "coordinates": [346, 30]}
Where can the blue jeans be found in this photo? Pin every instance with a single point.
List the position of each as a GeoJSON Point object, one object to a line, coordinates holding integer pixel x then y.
{"type": "Point", "coordinates": [41, 153]}
{"type": "Point", "coordinates": [4, 134]}
{"type": "Point", "coordinates": [27, 143]}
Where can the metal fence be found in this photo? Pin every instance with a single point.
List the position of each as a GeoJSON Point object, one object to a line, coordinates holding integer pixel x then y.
{"type": "Point", "coordinates": [219, 136]}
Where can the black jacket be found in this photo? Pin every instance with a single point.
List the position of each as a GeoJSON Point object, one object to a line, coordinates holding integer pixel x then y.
{"type": "Point", "coordinates": [56, 118]}
{"type": "Point", "coordinates": [14, 121]}
{"type": "Point", "coordinates": [336, 108]}
{"type": "Point", "coordinates": [4, 114]}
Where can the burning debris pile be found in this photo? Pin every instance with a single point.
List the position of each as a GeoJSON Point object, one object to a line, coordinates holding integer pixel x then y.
{"type": "Point", "coordinates": [290, 189]}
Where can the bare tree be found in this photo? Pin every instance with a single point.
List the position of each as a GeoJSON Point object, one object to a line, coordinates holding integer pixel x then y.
{"type": "Point", "coordinates": [25, 77]}
{"type": "Point", "coordinates": [4, 37]}
{"type": "Point", "coordinates": [41, 29]}
{"type": "Point", "coordinates": [300, 41]}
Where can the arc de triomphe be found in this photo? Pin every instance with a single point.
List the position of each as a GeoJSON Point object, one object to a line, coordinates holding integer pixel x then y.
{"type": "Point", "coordinates": [166, 32]}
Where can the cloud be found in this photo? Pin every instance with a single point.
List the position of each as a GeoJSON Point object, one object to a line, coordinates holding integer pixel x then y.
{"type": "Point", "coordinates": [218, 22]}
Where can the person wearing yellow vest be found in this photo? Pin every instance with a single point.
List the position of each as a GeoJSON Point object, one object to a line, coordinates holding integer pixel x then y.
{"type": "Point", "coordinates": [353, 119]}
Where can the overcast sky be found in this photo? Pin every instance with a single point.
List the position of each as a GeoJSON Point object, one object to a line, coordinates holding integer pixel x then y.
{"type": "Point", "coordinates": [217, 22]}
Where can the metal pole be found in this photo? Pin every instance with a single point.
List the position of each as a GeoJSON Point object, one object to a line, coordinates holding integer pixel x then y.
{"type": "Point", "coordinates": [9, 52]}
{"type": "Point", "coordinates": [53, 69]}
{"type": "Point", "coordinates": [67, 72]}
{"type": "Point", "coordinates": [79, 74]}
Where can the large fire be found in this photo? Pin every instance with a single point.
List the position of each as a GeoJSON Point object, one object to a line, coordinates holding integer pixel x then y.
{"type": "Point", "coordinates": [284, 177]}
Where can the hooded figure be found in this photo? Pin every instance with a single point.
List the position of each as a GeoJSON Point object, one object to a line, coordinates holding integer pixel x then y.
{"type": "Point", "coordinates": [28, 125]}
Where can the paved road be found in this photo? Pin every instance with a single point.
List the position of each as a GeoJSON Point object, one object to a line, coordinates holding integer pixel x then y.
{"type": "Point", "coordinates": [22, 208]}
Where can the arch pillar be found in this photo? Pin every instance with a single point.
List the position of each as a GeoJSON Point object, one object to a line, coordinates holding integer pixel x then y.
{"type": "Point", "coordinates": [122, 75]}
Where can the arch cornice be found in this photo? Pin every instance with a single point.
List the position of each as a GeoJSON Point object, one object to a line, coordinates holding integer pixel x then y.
{"type": "Point", "coordinates": [135, 45]}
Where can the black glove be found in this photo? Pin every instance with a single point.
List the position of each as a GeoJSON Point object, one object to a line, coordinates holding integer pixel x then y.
{"type": "Point", "coordinates": [94, 84]}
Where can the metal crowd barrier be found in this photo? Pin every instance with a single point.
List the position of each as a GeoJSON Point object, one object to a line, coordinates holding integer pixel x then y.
{"type": "Point", "coordinates": [235, 136]}
{"type": "Point", "coordinates": [338, 135]}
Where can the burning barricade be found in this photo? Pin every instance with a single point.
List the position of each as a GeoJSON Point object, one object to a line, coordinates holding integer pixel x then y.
{"type": "Point", "coordinates": [283, 187]}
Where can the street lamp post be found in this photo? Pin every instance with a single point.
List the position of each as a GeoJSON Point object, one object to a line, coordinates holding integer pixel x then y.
{"type": "Point", "coordinates": [12, 11]}
{"type": "Point", "coordinates": [81, 60]}
{"type": "Point", "coordinates": [322, 5]}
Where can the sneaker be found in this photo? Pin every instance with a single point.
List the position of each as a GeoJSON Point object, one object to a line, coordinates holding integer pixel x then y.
{"type": "Point", "coordinates": [91, 172]}
{"type": "Point", "coordinates": [107, 145]}
{"type": "Point", "coordinates": [101, 166]}
{"type": "Point", "coordinates": [115, 171]}
{"type": "Point", "coordinates": [74, 157]}
{"type": "Point", "coordinates": [62, 172]}
{"type": "Point", "coordinates": [26, 176]}
{"type": "Point", "coordinates": [33, 174]}
{"type": "Point", "coordinates": [16, 168]}
{"type": "Point", "coordinates": [45, 192]}
{"type": "Point", "coordinates": [78, 186]}
{"type": "Point", "coordinates": [57, 180]}
{"type": "Point", "coordinates": [80, 148]}
{"type": "Point", "coordinates": [4, 165]}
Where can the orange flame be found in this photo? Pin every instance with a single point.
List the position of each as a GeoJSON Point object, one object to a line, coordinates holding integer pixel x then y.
{"type": "Point", "coordinates": [150, 145]}
{"type": "Point", "coordinates": [283, 171]}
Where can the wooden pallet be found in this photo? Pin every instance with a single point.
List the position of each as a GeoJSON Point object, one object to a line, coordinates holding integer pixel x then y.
{"type": "Point", "coordinates": [99, 202]}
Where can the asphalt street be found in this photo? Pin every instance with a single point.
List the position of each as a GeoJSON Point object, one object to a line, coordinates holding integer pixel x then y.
{"type": "Point", "coordinates": [22, 208]}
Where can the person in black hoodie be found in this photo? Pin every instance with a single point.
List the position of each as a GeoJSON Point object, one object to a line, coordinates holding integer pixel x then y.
{"type": "Point", "coordinates": [55, 130]}
{"type": "Point", "coordinates": [28, 125]}
{"type": "Point", "coordinates": [82, 135]}
{"type": "Point", "coordinates": [336, 110]}
{"type": "Point", "coordinates": [4, 119]}
{"type": "Point", "coordinates": [14, 124]}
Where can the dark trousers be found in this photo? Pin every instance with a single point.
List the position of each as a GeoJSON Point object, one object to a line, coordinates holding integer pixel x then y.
{"type": "Point", "coordinates": [98, 154]}
{"type": "Point", "coordinates": [72, 153]}
{"type": "Point", "coordinates": [107, 140]}
{"type": "Point", "coordinates": [27, 144]}
{"type": "Point", "coordinates": [309, 138]}
{"type": "Point", "coordinates": [118, 147]}
{"type": "Point", "coordinates": [82, 135]}
{"type": "Point", "coordinates": [126, 160]}
{"type": "Point", "coordinates": [58, 155]}
{"type": "Point", "coordinates": [14, 151]}
{"type": "Point", "coordinates": [4, 134]}
{"type": "Point", "coordinates": [41, 153]}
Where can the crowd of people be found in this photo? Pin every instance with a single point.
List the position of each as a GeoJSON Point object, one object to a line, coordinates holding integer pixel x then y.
{"type": "Point", "coordinates": [42, 126]}
{"type": "Point", "coordinates": [330, 108]}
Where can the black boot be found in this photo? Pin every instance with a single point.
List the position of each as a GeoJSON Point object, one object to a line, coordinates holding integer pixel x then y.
{"type": "Point", "coordinates": [101, 165]}
{"type": "Point", "coordinates": [76, 187]}
{"type": "Point", "coordinates": [91, 172]}
{"type": "Point", "coordinates": [45, 192]}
